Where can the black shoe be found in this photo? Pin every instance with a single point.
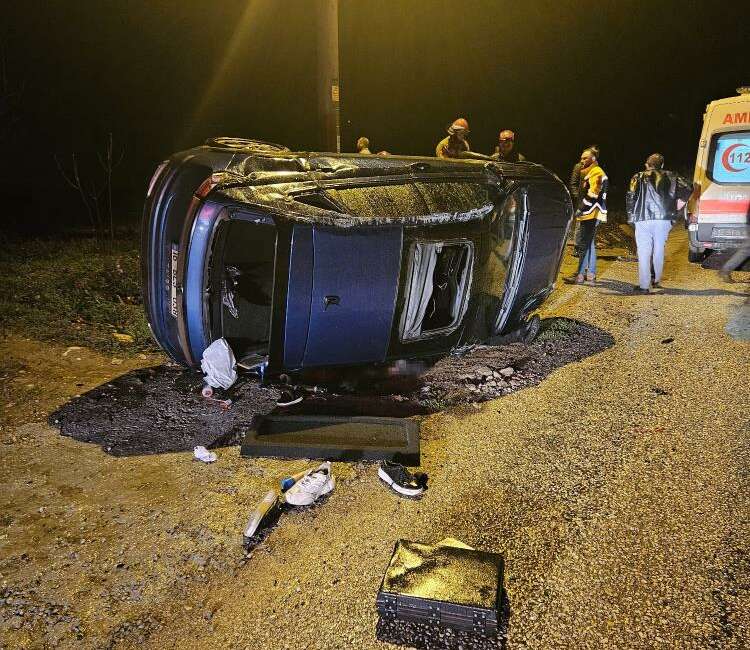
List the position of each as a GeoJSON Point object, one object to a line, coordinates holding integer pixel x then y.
{"type": "Point", "coordinates": [637, 290]}
{"type": "Point", "coordinates": [656, 285]}
{"type": "Point", "coordinates": [401, 479]}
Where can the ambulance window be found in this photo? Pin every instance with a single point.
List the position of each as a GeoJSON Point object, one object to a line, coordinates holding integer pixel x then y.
{"type": "Point", "coordinates": [730, 158]}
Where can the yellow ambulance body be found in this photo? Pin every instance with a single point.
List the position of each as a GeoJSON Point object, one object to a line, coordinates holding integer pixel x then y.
{"type": "Point", "coordinates": [719, 210]}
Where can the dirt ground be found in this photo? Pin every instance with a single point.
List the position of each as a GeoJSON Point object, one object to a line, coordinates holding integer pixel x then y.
{"type": "Point", "coordinates": [617, 489]}
{"type": "Point", "coordinates": [160, 408]}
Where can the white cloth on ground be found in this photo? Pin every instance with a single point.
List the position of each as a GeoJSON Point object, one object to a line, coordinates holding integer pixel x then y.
{"type": "Point", "coordinates": [202, 454]}
{"type": "Point", "coordinates": [218, 364]}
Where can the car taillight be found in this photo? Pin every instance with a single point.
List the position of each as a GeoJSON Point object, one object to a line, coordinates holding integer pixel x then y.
{"type": "Point", "coordinates": [155, 177]}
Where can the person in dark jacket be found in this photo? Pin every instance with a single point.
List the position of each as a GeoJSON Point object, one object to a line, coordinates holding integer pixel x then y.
{"type": "Point", "coordinates": [505, 151]}
{"type": "Point", "coordinates": [651, 203]}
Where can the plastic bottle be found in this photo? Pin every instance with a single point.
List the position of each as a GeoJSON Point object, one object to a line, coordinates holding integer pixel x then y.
{"type": "Point", "coordinates": [266, 506]}
{"type": "Point", "coordinates": [288, 481]}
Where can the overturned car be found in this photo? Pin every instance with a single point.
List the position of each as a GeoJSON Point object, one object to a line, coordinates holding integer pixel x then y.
{"type": "Point", "coordinates": [304, 260]}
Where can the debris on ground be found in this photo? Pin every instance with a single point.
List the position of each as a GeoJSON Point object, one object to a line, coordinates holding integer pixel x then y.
{"type": "Point", "coordinates": [289, 397]}
{"type": "Point", "coordinates": [445, 585]}
{"type": "Point", "coordinates": [218, 364]}
{"type": "Point", "coordinates": [314, 484]}
{"type": "Point", "coordinates": [264, 515]}
{"type": "Point", "coordinates": [401, 480]}
{"type": "Point", "coordinates": [611, 234]}
{"type": "Point", "coordinates": [288, 481]}
{"type": "Point", "coordinates": [123, 414]}
{"type": "Point", "coordinates": [160, 409]}
{"type": "Point", "coordinates": [223, 403]}
{"type": "Point", "coordinates": [202, 454]}
{"type": "Point", "coordinates": [487, 372]}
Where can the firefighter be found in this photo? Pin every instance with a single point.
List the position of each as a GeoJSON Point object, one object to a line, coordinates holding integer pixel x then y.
{"type": "Point", "coordinates": [505, 151]}
{"type": "Point", "coordinates": [363, 146]}
{"type": "Point", "coordinates": [455, 145]}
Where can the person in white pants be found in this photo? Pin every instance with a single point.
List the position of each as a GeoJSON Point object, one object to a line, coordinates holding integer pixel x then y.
{"type": "Point", "coordinates": [651, 202]}
{"type": "Point", "coordinates": [651, 238]}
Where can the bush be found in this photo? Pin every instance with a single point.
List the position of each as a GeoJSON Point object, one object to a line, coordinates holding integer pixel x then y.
{"type": "Point", "coordinates": [72, 292]}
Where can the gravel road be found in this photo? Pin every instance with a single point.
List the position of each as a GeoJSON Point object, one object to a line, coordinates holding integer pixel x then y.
{"type": "Point", "coordinates": [618, 490]}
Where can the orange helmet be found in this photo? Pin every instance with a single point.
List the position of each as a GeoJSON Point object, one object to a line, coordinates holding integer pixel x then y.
{"type": "Point", "coordinates": [506, 134]}
{"type": "Point", "coordinates": [459, 125]}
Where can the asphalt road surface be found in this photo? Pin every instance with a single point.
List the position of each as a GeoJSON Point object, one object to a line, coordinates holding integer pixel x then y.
{"type": "Point", "coordinates": [618, 490]}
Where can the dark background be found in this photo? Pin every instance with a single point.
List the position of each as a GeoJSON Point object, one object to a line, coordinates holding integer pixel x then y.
{"type": "Point", "coordinates": [632, 76]}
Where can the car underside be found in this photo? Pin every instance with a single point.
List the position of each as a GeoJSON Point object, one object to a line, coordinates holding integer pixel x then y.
{"type": "Point", "coordinates": [303, 260]}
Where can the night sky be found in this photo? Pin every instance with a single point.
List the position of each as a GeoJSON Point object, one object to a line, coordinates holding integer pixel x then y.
{"type": "Point", "coordinates": [161, 76]}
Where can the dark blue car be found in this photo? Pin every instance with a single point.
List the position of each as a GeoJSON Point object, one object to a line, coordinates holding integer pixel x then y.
{"type": "Point", "coordinates": [303, 260]}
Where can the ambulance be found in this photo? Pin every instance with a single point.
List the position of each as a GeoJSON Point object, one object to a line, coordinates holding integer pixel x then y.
{"type": "Point", "coordinates": [719, 208]}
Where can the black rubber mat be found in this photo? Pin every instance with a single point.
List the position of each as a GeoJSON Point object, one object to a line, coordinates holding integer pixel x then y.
{"type": "Point", "coordinates": [333, 438]}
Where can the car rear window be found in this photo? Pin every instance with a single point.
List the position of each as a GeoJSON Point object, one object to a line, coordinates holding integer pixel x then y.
{"type": "Point", "coordinates": [730, 158]}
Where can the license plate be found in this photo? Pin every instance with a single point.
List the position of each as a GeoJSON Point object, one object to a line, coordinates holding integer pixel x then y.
{"type": "Point", "coordinates": [173, 279]}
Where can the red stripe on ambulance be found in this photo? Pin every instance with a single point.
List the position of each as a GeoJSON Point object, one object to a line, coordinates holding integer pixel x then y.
{"type": "Point", "coordinates": [718, 206]}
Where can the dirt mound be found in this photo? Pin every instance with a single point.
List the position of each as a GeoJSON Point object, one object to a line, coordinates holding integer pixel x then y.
{"type": "Point", "coordinates": [160, 409]}
{"type": "Point", "coordinates": [487, 372]}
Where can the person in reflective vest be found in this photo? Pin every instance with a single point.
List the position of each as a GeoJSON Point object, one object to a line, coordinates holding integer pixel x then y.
{"type": "Point", "coordinates": [592, 208]}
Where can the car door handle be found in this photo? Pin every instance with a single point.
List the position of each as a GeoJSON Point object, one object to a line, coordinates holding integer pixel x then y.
{"type": "Point", "coordinates": [330, 300]}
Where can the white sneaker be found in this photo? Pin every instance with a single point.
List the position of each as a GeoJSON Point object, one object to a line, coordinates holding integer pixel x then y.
{"type": "Point", "coordinates": [312, 486]}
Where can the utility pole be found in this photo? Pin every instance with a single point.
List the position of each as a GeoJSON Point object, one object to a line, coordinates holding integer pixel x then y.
{"type": "Point", "coordinates": [328, 73]}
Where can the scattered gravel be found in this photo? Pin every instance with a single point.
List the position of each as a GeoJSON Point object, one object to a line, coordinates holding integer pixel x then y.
{"type": "Point", "coordinates": [617, 490]}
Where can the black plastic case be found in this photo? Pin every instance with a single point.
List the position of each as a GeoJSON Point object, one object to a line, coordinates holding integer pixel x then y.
{"type": "Point", "coordinates": [443, 584]}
